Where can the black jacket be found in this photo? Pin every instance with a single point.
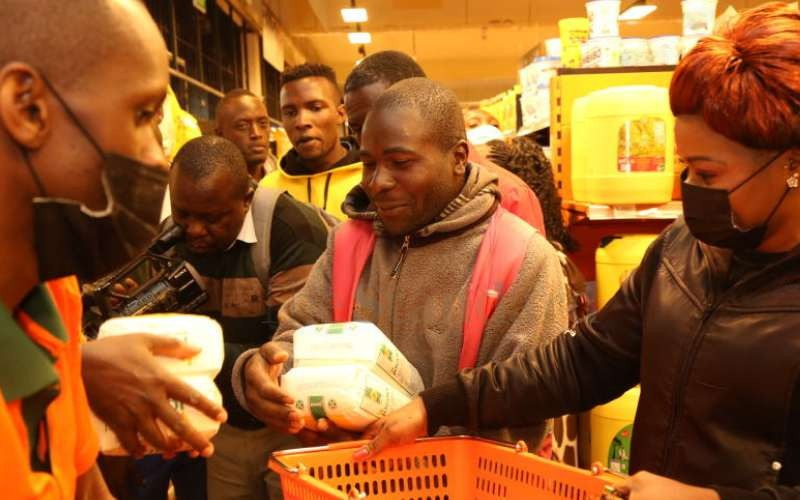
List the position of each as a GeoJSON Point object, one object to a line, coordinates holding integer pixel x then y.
{"type": "Point", "coordinates": [713, 340]}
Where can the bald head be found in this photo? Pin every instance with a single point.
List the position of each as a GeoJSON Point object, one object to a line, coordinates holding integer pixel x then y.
{"type": "Point", "coordinates": [68, 41]}
{"type": "Point", "coordinates": [436, 105]}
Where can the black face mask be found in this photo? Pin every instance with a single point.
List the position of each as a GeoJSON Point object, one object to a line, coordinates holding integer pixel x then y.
{"type": "Point", "coordinates": [710, 219]}
{"type": "Point", "coordinates": [72, 239]}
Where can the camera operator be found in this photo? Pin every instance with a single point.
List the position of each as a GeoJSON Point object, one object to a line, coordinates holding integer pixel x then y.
{"type": "Point", "coordinates": [253, 250]}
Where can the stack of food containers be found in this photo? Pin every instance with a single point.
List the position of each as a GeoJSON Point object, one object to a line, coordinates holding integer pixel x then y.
{"type": "Point", "coordinates": [604, 47]}
{"type": "Point", "coordinates": [349, 373]}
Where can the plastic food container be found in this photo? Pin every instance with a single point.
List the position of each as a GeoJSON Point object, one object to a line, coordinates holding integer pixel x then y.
{"type": "Point", "coordinates": [698, 17]}
{"type": "Point", "coordinates": [351, 396]}
{"type": "Point", "coordinates": [601, 52]}
{"type": "Point", "coordinates": [635, 52]}
{"type": "Point", "coordinates": [665, 49]}
{"type": "Point", "coordinates": [356, 343]}
{"type": "Point", "coordinates": [573, 32]}
{"type": "Point", "coordinates": [603, 17]}
{"type": "Point", "coordinates": [445, 468]}
{"type": "Point", "coordinates": [552, 47]}
{"type": "Point", "coordinates": [198, 372]}
{"type": "Point", "coordinates": [623, 144]}
{"type": "Point", "coordinates": [615, 259]}
{"type": "Point", "coordinates": [687, 44]}
{"type": "Point", "coordinates": [612, 431]}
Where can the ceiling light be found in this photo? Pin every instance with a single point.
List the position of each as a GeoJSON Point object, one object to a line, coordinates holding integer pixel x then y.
{"type": "Point", "coordinates": [637, 11]}
{"type": "Point", "coordinates": [359, 37]}
{"type": "Point", "coordinates": [354, 15]}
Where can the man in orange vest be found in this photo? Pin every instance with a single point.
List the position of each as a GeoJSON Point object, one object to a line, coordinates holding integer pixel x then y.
{"type": "Point", "coordinates": [417, 258]}
{"type": "Point", "coordinates": [81, 173]}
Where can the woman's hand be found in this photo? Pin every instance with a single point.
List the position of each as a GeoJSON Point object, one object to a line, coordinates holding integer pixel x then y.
{"type": "Point", "coordinates": [647, 486]}
{"type": "Point", "coordinates": [400, 427]}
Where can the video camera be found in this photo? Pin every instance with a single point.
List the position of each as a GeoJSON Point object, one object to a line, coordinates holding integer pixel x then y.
{"type": "Point", "coordinates": [155, 282]}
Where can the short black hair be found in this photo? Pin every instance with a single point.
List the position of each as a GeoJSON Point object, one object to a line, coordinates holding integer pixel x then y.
{"type": "Point", "coordinates": [389, 66]}
{"type": "Point", "coordinates": [203, 156]}
{"type": "Point", "coordinates": [436, 104]}
{"type": "Point", "coordinates": [309, 70]}
{"type": "Point", "coordinates": [230, 96]}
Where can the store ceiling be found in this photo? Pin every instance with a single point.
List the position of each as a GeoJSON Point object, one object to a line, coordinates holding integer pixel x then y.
{"type": "Point", "coordinates": [474, 46]}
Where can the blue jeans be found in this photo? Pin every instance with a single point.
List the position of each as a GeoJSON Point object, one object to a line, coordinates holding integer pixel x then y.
{"type": "Point", "coordinates": [154, 473]}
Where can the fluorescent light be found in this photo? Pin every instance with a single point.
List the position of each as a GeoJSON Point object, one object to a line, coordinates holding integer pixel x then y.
{"type": "Point", "coordinates": [636, 12]}
{"type": "Point", "coordinates": [359, 37]}
{"type": "Point", "coordinates": [354, 15]}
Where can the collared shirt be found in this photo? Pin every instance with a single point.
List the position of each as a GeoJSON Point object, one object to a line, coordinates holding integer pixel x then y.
{"type": "Point", "coordinates": [45, 425]}
{"type": "Point", "coordinates": [248, 232]}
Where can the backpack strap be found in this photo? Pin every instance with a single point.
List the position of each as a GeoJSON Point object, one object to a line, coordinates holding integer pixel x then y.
{"type": "Point", "coordinates": [499, 260]}
{"type": "Point", "coordinates": [497, 265]}
{"type": "Point", "coordinates": [263, 208]}
{"type": "Point", "coordinates": [352, 248]}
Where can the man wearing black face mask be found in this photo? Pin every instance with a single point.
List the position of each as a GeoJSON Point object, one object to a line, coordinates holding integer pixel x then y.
{"type": "Point", "coordinates": [79, 162]}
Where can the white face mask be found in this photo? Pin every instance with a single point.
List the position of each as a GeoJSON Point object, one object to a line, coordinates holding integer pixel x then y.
{"type": "Point", "coordinates": [483, 134]}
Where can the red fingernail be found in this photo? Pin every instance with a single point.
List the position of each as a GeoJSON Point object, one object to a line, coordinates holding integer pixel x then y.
{"type": "Point", "coordinates": [361, 453]}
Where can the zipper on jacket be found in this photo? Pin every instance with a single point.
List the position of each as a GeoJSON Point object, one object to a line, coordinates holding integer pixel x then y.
{"type": "Point", "coordinates": [308, 189]}
{"type": "Point", "coordinates": [683, 380]}
{"type": "Point", "coordinates": [402, 259]}
{"type": "Point", "coordinates": [327, 187]}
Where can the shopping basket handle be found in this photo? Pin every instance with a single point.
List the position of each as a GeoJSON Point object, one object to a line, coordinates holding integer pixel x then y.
{"type": "Point", "coordinates": [598, 469]}
{"type": "Point", "coordinates": [343, 445]}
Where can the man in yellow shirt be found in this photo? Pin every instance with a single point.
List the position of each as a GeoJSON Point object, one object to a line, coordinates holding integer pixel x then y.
{"type": "Point", "coordinates": [321, 168]}
{"type": "Point", "coordinates": [79, 164]}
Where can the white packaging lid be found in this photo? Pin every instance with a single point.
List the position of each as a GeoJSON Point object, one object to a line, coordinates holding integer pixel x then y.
{"type": "Point", "coordinates": [195, 330]}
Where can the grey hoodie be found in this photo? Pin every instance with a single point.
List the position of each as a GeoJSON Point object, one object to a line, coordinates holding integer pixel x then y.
{"type": "Point", "coordinates": [422, 307]}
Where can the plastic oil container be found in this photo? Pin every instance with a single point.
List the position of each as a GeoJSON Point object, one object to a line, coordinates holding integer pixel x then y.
{"type": "Point", "coordinates": [612, 431]}
{"type": "Point", "coordinates": [198, 371]}
{"type": "Point", "coordinates": [615, 259]}
{"type": "Point", "coordinates": [623, 144]}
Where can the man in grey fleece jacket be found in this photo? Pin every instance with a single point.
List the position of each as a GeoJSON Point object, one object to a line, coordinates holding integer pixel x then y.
{"type": "Point", "coordinates": [430, 209]}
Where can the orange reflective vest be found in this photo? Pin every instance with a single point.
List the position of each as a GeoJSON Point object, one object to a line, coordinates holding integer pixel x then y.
{"type": "Point", "coordinates": [71, 441]}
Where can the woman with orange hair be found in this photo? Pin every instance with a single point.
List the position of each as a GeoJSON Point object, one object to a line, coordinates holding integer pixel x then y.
{"type": "Point", "coordinates": [709, 325]}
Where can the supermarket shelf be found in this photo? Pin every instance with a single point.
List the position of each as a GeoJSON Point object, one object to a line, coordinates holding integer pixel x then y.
{"type": "Point", "coordinates": [615, 69]}
{"type": "Point", "coordinates": [577, 211]}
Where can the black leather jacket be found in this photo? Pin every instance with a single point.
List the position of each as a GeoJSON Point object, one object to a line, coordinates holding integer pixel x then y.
{"type": "Point", "coordinates": [718, 359]}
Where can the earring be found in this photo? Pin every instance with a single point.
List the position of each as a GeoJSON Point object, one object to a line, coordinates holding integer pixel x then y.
{"type": "Point", "coordinates": [793, 181]}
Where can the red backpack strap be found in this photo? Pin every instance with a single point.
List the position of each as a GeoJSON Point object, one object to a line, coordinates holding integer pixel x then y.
{"type": "Point", "coordinates": [352, 248]}
{"type": "Point", "coordinates": [499, 260]}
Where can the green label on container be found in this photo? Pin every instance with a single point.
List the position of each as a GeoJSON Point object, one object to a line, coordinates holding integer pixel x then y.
{"type": "Point", "coordinates": [335, 329]}
{"type": "Point", "coordinates": [316, 405]}
{"type": "Point", "coordinates": [619, 452]}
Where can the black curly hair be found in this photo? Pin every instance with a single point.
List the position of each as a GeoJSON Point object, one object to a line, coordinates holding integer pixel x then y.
{"type": "Point", "coordinates": [525, 158]}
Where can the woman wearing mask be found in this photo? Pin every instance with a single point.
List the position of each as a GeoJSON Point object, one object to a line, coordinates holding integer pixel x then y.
{"type": "Point", "coordinates": [709, 325]}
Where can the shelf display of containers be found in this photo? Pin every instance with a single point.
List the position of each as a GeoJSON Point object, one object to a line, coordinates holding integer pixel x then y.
{"type": "Point", "coordinates": [622, 147]}
{"type": "Point", "coordinates": [601, 52]}
{"type": "Point", "coordinates": [573, 32]}
{"type": "Point", "coordinates": [635, 52]}
{"type": "Point", "coordinates": [665, 50]}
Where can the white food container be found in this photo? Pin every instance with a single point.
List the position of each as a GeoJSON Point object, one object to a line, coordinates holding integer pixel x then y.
{"type": "Point", "coordinates": [351, 396]}
{"type": "Point", "coordinates": [198, 371]}
{"type": "Point", "coordinates": [356, 342]}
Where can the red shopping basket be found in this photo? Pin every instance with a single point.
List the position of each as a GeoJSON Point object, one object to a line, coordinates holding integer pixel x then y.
{"type": "Point", "coordinates": [448, 468]}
